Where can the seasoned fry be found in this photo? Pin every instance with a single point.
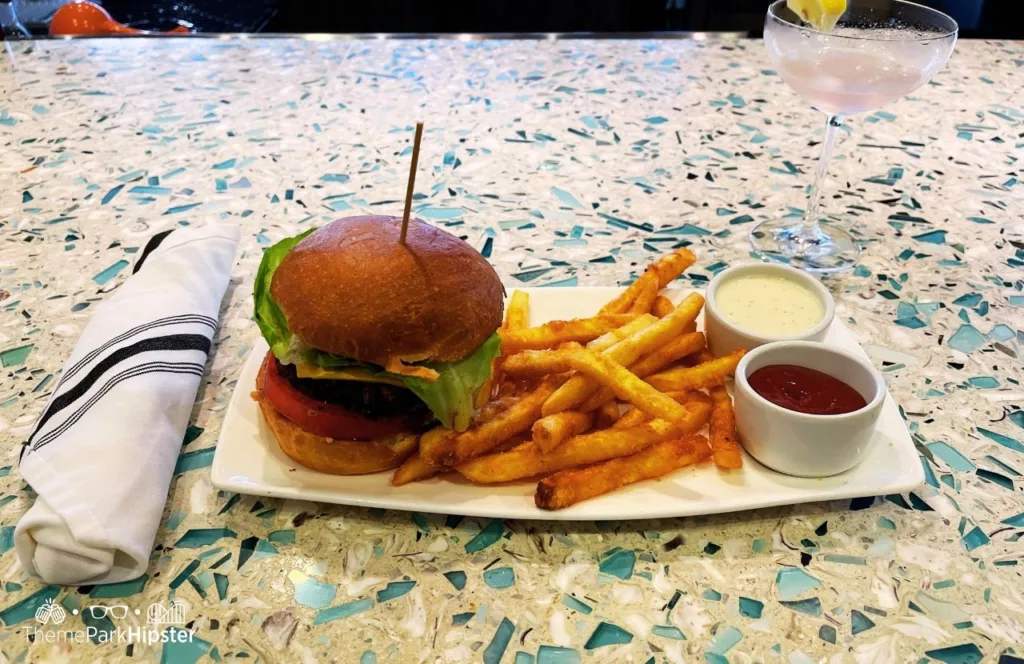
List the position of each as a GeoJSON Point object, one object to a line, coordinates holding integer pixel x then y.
{"type": "Point", "coordinates": [517, 316]}
{"type": "Point", "coordinates": [649, 364]}
{"type": "Point", "coordinates": [663, 307]}
{"type": "Point", "coordinates": [646, 294]}
{"type": "Point", "coordinates": [576, 390]}
{"type": "Point", "coordinates": [569, 487]}
{"type": "Point", "coordinates": [673, 265]}
{"type": "Point", "coordinates": [708, 374]}
{"type": "Point", "coordinates": [633, 417]}
{"type": "Point", "coordinates": [437, 446]}
{"type": "Point", "coordinates": [516, 419]}
{"type": "Point", "coordinates": [556, 332]}
{"type": "Point", "coordinates": [697, 404]}
{"type": "Point", "coordinates": [608, 414]}
{"type": "Point", "coordinates": [551, 431]}
{"type": "Point", "coordinates": [724, 447]}
{"type": "Point", "coordinates": [414, 469]}
{"type": "Point", "coordinates": [528, 460]}
{"type": "Point", "coordinates": [609, 339]}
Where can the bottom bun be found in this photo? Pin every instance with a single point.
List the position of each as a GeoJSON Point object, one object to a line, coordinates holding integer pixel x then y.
{"type": "Point", "coordinates": [326, 455]}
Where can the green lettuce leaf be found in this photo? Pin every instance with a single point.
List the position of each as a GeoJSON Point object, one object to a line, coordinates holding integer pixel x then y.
{"type": "Point", "coordinates": [452, 395]}
{"type": "Point", "coordinates": [269, 316]}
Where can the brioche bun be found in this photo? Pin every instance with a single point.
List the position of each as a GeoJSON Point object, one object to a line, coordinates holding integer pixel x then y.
{"type": "Point", "coordinates": [352, 289]}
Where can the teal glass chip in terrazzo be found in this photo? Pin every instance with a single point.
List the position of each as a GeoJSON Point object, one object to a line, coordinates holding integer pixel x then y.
{"type": "Point", "coordinates": [576, 605]}
{"type": "Point", "coordinates": [951, 456]}
{"type": "Point", "coordinates": [486, 537]}
{"type": "Point", "coordinates": [457, 579]}
{"type": "Point", "coordinates": [1005, 441]}
{"type": "Point", "coordinates": [725, 640]}
{"type": "Point", "coordinates": [394, 590]}
{"type": "Point", "coordinates": [811, 607]}
{"type": "Point", "coordinates": [967, 339]}
{"type": "Point", "coordinates": [827, 633]}
{"type": "Point", "coordinates": [122, 589]}
{"type": "Point", "coordinates": [14, 357]}
{"type": "Point", "coordinates": [179, 648]}
{"type": "Point", "coordinates": [523, 658]}
{"type": "Point", "coordinates": [26, 608]}
{"type": "Point", "coordinates": [793, 581]}
{"type": "Point", "coordinates": [668, 632]}
{"type": "Point", "coordinates": [974, 538]}
{"type": "Point", "coordinates": [967, 653]}
{"type": "Point", "coordinates": [500, 577]}
{"type": "Point", "coordinates": [195, 538]}
{"type": "Point", "coordinates": [342, 611]}
{"type": "Point", "coordinates": [557, 655]}
{"type": "Point", "coordinates": [619, 564]}
{"type": "Point", "coordinates": [607, 634]}
{"type": "Point", "coordinates": [859, 622]}
{"type": "Point", "coordinates": [310, 592]}
{"type": "Point", "coordinates": [750, 608]}
{"type": "Point", "coordinates": [499, 642]}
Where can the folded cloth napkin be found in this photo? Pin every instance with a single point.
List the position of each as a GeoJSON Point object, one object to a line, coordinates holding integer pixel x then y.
{"type": "Point", "coordinates": [103, 451]}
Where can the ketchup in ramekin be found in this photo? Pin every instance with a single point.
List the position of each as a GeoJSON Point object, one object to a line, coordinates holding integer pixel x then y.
{"type": "Point", "coordinates": [805, 390]}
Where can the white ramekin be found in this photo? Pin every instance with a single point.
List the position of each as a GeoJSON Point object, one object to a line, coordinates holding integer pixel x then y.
{"type": "Point", "coordinates": [724, 336]}
{"type": "Point", "coordinates": [801, 444]}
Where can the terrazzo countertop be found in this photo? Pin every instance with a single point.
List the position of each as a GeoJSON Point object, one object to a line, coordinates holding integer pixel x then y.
{"type": "Point", "coordinates": [565, 163]}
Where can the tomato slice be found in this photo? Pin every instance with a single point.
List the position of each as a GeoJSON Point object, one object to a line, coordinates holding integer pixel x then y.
{"type": "Point", "coordinates": [319, 417]}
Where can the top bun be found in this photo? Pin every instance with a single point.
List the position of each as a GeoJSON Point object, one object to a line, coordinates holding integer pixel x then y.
{"type": "Point", "coordinates": [351, 289]}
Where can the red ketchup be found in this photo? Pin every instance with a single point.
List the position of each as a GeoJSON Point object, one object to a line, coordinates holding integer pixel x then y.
{"type": "Point", "coordinates": [805, 390]}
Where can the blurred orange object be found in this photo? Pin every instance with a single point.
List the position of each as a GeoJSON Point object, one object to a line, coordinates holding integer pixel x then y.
{"type": "Point", "coordinates": [87, 18]}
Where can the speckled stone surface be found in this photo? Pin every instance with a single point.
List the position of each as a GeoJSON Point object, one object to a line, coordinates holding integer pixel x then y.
{"type": "Point", "coordinates": [565, 163]}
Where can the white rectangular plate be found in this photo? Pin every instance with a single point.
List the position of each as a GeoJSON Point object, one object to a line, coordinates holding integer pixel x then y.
{"type": "Point", "coordinates": [248, 460]}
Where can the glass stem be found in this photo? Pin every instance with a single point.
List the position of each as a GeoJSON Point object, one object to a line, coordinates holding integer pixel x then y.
{"type": "Point", "coordinates": [832, 125]}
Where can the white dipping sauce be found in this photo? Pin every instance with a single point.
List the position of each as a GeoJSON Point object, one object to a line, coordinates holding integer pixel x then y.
{"type": "Point", "coordinates": [770, 305]}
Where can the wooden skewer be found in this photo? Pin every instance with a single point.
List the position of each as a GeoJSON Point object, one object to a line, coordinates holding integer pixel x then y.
{"type": "Point", "coordinates": [412, 181]}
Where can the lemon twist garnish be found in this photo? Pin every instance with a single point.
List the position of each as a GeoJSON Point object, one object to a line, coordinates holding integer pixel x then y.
{"type": "Point", "coordinates": [821, 14]}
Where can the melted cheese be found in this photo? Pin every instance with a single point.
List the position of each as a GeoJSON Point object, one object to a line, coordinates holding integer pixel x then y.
{"type": "Point", "coordinates": [306, 370]}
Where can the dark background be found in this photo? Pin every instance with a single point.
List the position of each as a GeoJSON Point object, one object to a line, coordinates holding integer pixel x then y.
{"type": "Point", "coordinates": [977, 18]}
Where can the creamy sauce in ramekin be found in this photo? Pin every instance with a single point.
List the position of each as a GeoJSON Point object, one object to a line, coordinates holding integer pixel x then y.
{"type": "Point", "coordinates": [769, 304]}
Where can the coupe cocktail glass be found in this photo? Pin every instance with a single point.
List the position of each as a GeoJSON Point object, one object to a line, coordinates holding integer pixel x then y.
{"type": "Point", "coordinates": [879, 51]}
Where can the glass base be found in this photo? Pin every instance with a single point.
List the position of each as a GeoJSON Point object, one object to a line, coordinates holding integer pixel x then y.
{"type": "Point", "coordinates": [824, 249]}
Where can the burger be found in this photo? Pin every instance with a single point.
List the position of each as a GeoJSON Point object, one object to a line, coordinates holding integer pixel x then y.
{"type": "Point", "coordinates": [372, 341]}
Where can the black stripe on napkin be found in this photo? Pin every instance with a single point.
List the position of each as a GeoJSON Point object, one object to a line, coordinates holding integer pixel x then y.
{"type": "Point", "coordinates": [151, 246]}
{"type": "Point", "coordinates": [160, 322]}
{"type": "Point", "coordinates": [193, 368]}
{"type": "Point", "coordinates": [170, 342]}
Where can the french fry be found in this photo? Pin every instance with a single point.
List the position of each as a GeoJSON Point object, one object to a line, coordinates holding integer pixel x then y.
{"type": "Point", "coordinates": [649, 364]}
{"type": "Point", "coordinates": [667, 268]}
{"type": "Point", "coordinates": [516, 419]}
{"type": "Point", "coordinates": [646, 294]}
{"type": "Point", "coordinates": [414, 469]}
{"type": "Point", "coordinates": [551, 431]}
{"type": "Point", "coordinates": [556, 332]}
{"type": "Point", "coordinates": [706, 375]}
{"type": "Point", "coordinates": [697, 404]}
{"type": "Point", "coordinates": [529, 460]}
{"type": "Point", "coordinates": [612, 337]}
{"type": "Point", "coordinates": [606, 372]}
{"type": "Point", "coordinates": [608, 414]}
{"type": "Point", "coordinates": [517, 315]}
{"type": "Point", "coordinates": [662, 306]}
{"type": "Point", "coordinates": [724, 447]}
{"type": "Point", "coordinates": [671, 266]}
{"type": "Point", "coordinates": [633, 417]}
{"type": "Point", "coordinates": [576, 390]}
{"type": "Point", "coordinates": [569, 487]}
{"type": "Point", "coordinates": [691, 328]}
{"type": "Point", "coordinates": [437, 446]}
